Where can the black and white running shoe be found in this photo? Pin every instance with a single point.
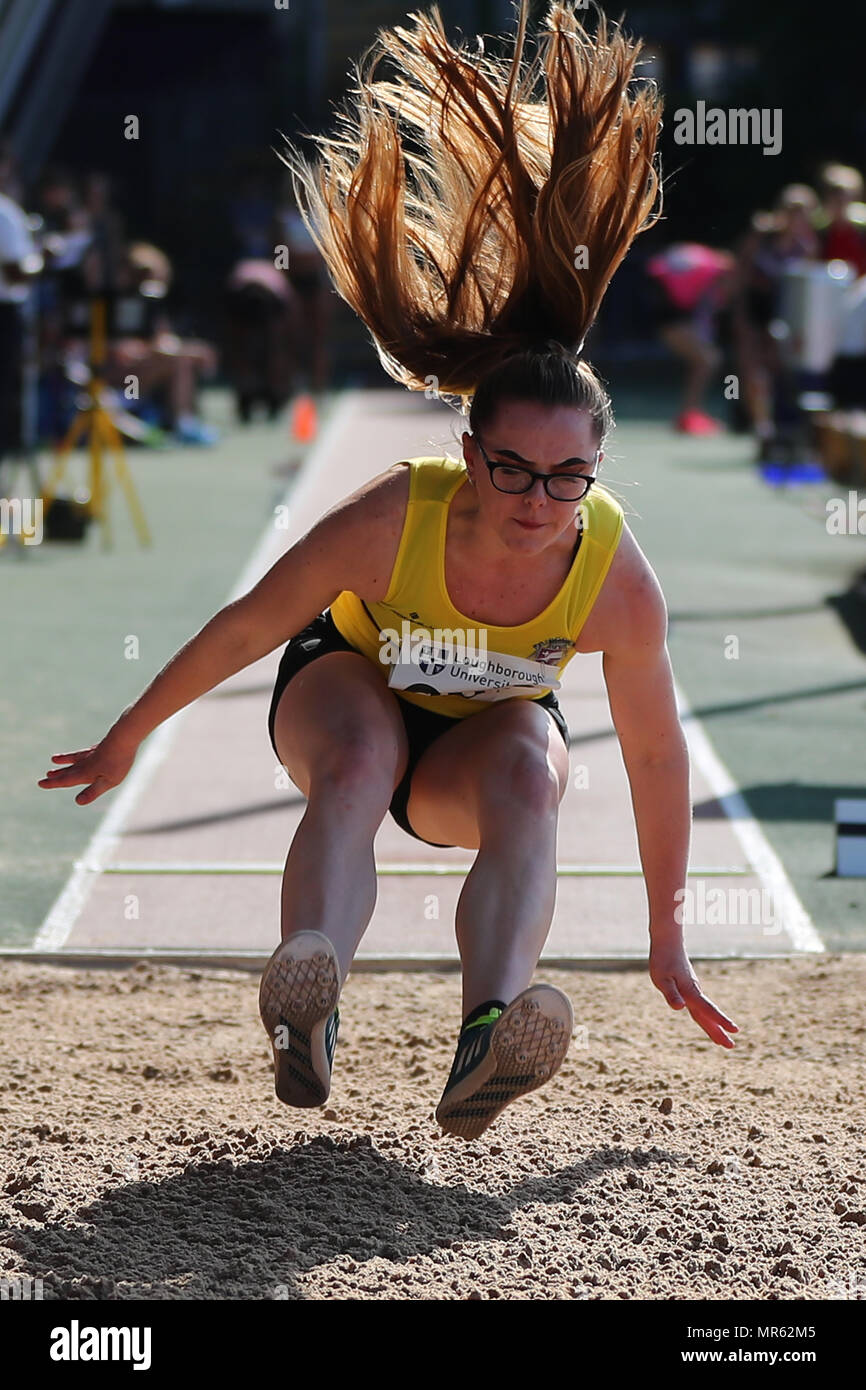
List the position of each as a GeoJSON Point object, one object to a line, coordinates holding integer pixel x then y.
{"type": "Point", "coordinates": [505, 1057]}
{"type": "Point", "coordinates": [298, 1003]}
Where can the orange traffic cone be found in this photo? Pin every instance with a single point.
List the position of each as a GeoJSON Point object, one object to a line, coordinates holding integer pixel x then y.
{"type": "Point", "coordinates": [304, 422]}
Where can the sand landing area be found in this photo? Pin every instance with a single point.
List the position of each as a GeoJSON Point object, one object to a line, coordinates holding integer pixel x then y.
{"type": "Point", "coordinates": [145, 1156]}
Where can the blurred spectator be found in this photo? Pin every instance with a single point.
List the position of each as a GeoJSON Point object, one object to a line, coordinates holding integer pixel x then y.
{"type": "Point", "coordinates": [847, 377]}
{"type": "Point", "coordinates": [145, 345]}
{"type": "Point", "coordinates": [66, 234]}
{"type": "Point", "coordinates": [106, 251]}
{"type": "Point", "coordinates": [795, 237]}
{"type": "Point", "coordinates": [262, 334]}
{"type": "Point", "coordinates": [774, 240]}
{"type": "Point", "coordinates": [693, 284]}
{"type": "Point", "coordinates": [20, 261]}
{"type": "Point", "coordinates": [58, 204]}
{"type": "Point", "coordinates": [12, 186]}
{"type": "Point", "coordinates": [308, 275]}
{"type": "Point", "coordinates": [840, 221]}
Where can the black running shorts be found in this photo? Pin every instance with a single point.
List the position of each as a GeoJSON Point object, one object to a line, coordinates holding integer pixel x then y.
{"type": "Point", "coordinates": [422, 726]}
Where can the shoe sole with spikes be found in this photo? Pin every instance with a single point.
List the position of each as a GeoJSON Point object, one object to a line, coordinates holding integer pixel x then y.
{"type": "Point", "coordinates": [525, 1047]}
{"type": "Point", "coordinates": [298, 997]}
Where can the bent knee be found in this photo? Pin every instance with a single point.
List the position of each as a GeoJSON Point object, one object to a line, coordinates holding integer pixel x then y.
{"type": "Point", "coordinates": [525, 777]}
{"type": "Point", "coordinates": [358, 753]}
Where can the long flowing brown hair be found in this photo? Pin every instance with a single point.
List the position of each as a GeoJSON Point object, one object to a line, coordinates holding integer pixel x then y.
{"type": "Point", "coordinates": [465, 216]}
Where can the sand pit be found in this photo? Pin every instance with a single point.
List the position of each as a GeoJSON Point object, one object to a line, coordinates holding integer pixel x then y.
{"type": "Point", "coordinates": [145, 1155]}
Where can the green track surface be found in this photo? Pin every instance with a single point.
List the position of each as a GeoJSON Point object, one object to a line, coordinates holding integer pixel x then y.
{"type": "Point", "coordinates": [736, 558]}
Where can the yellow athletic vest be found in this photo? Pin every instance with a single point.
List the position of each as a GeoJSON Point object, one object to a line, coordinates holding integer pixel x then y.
{"type": "Point", "coordinates": [437, 658]}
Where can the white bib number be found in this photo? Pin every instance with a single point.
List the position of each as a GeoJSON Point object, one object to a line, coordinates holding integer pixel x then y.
{"type": "Point", "coordinates": [488, 677]}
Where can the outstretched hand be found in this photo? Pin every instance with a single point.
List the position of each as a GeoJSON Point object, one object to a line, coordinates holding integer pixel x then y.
{"type": "Point", "coordinates": [100, 767]}
{"type": "Point", "coordinates": [671, 972]}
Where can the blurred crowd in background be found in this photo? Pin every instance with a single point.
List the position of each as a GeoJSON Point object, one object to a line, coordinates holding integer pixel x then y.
{"type": "Point", "coordinates": [66, 246]}
{"type": "Point", "coordinates": [782, 312]}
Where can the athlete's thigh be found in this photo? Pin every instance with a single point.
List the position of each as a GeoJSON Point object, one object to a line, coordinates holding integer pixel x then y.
{"type": "Point", "coordinates": [452, 774]}
{"type": "Point", "coordinates": [338, 706]}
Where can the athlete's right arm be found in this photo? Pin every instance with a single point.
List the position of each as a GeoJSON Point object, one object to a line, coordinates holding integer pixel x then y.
{"type": "Point", "coordinates": [353, 546]}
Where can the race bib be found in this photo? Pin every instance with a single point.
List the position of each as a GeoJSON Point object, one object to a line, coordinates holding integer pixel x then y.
{"type": "Point", "coordinates": [437, 669]}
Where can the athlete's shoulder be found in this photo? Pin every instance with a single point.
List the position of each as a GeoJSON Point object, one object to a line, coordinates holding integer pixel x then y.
{"type": "Point", "coordinates": [385, 495]}
{"type": "Point", "coordinates": [433, 476]}
{"type": "Point", "coordinates": [371, 520]}
{"type": "Point", "coordinates": [422, 468]}
{"type": "Point", "coordinates": [368, 526]}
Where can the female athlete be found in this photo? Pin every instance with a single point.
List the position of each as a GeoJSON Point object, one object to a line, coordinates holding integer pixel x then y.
{"type": "Point", "coordinates": [473, 225]}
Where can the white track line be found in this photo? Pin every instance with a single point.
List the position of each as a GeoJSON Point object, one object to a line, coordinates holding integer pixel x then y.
{"type": "Point", "coordinates": [219, 958]}
{"type": "Point", "coordinates": [759, 852]}
{"type": "Point", "coordinates": [422, 870]}
{"type": "Point", "coordinates": [67, 907]}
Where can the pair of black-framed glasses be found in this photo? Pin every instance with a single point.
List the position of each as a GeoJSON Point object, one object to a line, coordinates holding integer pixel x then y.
{"type": "Point", "coordinates": [562, 487]}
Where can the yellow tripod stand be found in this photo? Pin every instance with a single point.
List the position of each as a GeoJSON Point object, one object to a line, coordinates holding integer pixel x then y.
{"type": "Point", "coordinates": [94, 421]}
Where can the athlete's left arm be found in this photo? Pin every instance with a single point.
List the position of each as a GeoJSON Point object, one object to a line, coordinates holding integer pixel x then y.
{"type": "Point", "coordinates": [640, 686]}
